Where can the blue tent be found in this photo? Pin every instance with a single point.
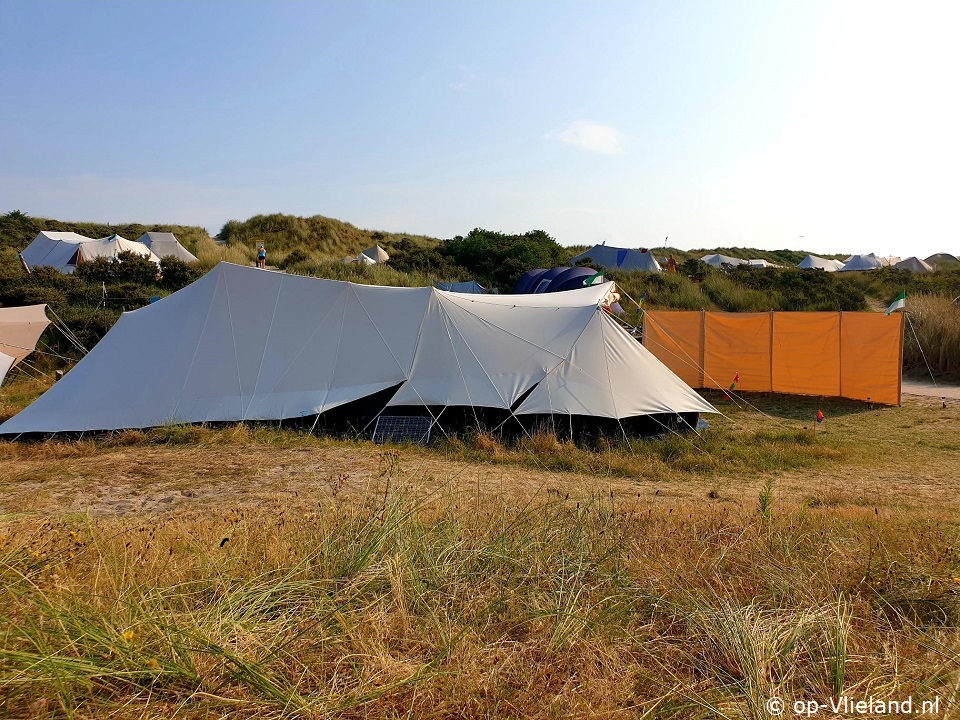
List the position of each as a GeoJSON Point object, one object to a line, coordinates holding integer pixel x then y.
{"type": "Point", "coordinates": [528, 279]}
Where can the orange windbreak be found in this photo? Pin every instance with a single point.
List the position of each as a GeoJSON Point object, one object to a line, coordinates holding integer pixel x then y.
{"type": "Point", "coordinates": [806, 353]}
{"type": "Point", "coordinates": [870, 360]}
{"type": "Point", "coordinates": [737, 344]}
{"type": "Point", "coordinates": [674, 339]}
{"type": "Point", "coordinates": [855, 355]}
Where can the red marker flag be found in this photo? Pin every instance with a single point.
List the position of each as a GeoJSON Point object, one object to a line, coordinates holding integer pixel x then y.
{"type": "Point", "coordinates": [736, 379]}
{"type": "Point", "coordinates": [819, 416]}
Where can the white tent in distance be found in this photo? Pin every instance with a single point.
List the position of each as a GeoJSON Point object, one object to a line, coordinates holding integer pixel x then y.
{"type": "Point", "coordinates": [65, 250]}
{"type": "Point", "coordinates": [165, 244]}
{"type": "Point", "coordinates": [241, 344]}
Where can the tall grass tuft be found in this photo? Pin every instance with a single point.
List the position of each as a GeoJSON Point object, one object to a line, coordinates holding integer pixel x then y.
{"type": "Point", "coordinates": [936, 321]}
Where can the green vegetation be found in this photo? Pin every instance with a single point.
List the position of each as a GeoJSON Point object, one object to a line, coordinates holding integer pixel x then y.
{"type": "Point", "coordinates": [315, 246]}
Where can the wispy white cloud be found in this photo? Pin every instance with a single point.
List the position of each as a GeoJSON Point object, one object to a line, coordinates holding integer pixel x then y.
{"type": "Point", "coordinates": [593, 136]}
{"type": "Point", "coordinates": [464, 79]}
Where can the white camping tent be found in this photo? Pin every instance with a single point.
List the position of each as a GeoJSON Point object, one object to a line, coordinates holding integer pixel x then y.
{"type": "Point", "coordinates": [239, 344]}
{"type": "Point", "coordinates": [110, 247]}
{"type": "Point", "coordinates": [54, 249]}
{"type": "Point", "coordinates": [812, 262]}
{"type": "Point", "coordinates": [471, 287]}
{"type": "Point", "coordinates": [20, 328]}
{"type": "Point", "coordinates": [716, 260]}
{"type": "Point", "coordinates": [762, 263]}
{"type": "Point", "coordinates": [913, 264]}
{"type": "Point", "coordinates": [64, 251]}
{"type": "Point", "coordinates": [164, 244]}
{"type": "Point", "coordinates": [375, 253]}
{"type": "Point", "coordinates": [614, 258]}
{"type": "Point", "coordinates": [862, 262]}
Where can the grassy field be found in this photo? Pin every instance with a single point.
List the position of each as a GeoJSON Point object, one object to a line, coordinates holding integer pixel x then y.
{"type": "Point", "coordinates": [254, 572]}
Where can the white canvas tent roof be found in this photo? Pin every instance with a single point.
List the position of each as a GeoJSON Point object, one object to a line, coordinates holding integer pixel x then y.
{"type": "Point", "coordinates": [913, 264]}
{"type": "Point", "coordinates": [240, 344]}
{"type": "Point", "coordinates": [759, 262]}
{"type": "Point", "coordinates": [110, 247]}
{"type": "Point", "coordinates": [862, 262]}
{"type": "Point", "coordinates": [54, 249]}
{"type": "Point", "coordinates": [716, 260]}
{"type": "Point", "coordinates": [376, 253]}
{"type": "Point", "coordinates": [613, 258]}
{"type": "Point", "coordinates": [165, 244]}
{"type": "Point", "coordinates": [813, 262]}
{"type": "Point", "coordinates": [20, 328]}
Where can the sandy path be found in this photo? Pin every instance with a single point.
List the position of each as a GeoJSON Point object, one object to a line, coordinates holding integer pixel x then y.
{"type": "Point", "coordinates": [132, 481]}
{"type": "Point", "coordinates": [926, 388]}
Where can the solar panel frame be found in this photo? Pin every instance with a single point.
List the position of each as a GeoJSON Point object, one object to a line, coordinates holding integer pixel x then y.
{"type": "Point", "coordinates": [403, 428]}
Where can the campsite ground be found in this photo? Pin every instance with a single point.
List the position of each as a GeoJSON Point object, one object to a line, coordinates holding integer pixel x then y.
{"type": "Point", "coordinates": [189, 572]}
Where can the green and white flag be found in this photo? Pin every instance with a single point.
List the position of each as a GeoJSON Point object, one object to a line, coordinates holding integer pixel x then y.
{"type": "Point", "coordinates": [897, 304]}
{"type": "Point", "coordinates": [590, 280]}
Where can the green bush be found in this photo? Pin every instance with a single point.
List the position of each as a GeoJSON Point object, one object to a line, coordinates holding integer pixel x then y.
{"type": "Point", "coordinates": [176, 274]}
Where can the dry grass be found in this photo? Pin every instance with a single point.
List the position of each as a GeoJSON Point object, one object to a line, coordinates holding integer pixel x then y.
{"type": "Point", "coordinates": [390, 605]}
{"type": "Point", "coordinates": [191, 573]}
{"type": "Point", "coordinates": [936, 322]}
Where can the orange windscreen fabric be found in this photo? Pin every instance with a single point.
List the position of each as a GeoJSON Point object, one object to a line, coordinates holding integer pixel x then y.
{"type": "Point", "coordinates": [737, 343]}
{"type": "Point", "coordinates": [806, 353]}
{"type": "Point", "coordinates": [870, 361]}
{"type": "Point", "coordinates": [674, 339]}
{"type": "Point", "coordinates": [854, 355]}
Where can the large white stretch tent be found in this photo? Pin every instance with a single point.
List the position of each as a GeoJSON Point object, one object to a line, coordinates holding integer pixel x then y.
{"type": "Point", "coordinates": [65, 250]}
{"type": "Point", "coordinates": [244, 344]}
{"type": "Point", "coordinates": [54, 249]}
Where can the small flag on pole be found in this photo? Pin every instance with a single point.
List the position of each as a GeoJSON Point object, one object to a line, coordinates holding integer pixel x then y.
{"type": "Point", "coordinates": [819, 416]}
{"type": "Point", "coordinates": [897, 304]}
{"type": "Point", "coordinates": [589, 281]}
{"type": "Point", "coordinates": [736, 379]}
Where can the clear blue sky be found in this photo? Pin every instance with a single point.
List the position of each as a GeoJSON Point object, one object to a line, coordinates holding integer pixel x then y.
{"type": "Point", "coordinates": [714, 123]}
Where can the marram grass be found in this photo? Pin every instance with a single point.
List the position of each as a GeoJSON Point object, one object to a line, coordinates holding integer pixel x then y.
{"type": "Point", "coordinates": [390, 606]}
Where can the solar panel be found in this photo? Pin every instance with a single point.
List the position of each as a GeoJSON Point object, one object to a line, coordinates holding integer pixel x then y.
{"type": "Point", "coordinates": [403, 428]}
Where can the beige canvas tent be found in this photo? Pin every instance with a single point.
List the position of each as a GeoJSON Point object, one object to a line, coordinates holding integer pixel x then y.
{"type": "Point", "coordinates": [376, 253]}
{"type": "Point", "coordinates": [20, 329]}
{"type": "Point", "coordinates": [913, 264]}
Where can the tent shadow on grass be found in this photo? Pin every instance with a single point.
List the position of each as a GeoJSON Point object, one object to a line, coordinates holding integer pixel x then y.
{"type": "Point", "coordinates": [793, 407]}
